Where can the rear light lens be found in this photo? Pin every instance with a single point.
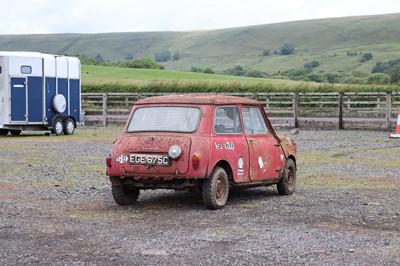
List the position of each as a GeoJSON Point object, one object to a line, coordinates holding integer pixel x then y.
{"type": "Point", "coordinates": [174, 151]}
{"type": "Point", "coordinates": [109, 161]}
{"type": "Point", "coordinates": [195, 160]}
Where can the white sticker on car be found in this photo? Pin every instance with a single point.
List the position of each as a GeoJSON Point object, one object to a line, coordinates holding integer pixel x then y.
{"type": "Point", "coordinates": [260, 162]}
{"type": "Point", "coordinates": [122, 159]}
{"type": "Point", "coordinates": [240, 166]}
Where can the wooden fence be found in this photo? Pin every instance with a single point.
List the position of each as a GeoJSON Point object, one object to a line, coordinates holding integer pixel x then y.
{"type": "Point", "coordinates": [336, 110]}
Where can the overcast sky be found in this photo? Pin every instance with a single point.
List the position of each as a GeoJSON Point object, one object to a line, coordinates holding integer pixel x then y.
{"type": "Point", "coordinates": [91, 16]}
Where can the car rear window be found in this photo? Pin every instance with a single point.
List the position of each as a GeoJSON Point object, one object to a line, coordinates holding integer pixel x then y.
{"type": "Point", "coordinates": [165, 118]}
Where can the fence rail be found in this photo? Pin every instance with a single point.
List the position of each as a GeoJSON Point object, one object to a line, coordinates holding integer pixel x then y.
{"type": "Point", "coordinates": [339, 110]}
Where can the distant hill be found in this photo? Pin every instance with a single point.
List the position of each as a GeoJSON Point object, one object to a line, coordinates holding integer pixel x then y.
{"type": "Point", "coordinates": [336, 44]}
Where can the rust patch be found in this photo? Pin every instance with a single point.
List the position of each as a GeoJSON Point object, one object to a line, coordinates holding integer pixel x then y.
{"type": "Point", "coordinates": [289, 146]}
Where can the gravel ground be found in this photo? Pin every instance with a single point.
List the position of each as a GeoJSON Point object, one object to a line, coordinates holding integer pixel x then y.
{"type": "Point", "coordinates": [56, 208]}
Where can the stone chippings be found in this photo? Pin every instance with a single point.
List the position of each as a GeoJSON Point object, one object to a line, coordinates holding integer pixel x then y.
{"type": "Point", "coordinates": [56, 209]}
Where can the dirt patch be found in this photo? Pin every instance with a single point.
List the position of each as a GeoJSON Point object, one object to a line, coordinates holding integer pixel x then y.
{"type": "Point", "coordinates": [56, 208]}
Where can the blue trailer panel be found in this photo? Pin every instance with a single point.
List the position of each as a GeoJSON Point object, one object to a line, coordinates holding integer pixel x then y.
{"type": "Point", "coordinates": [39, 92]}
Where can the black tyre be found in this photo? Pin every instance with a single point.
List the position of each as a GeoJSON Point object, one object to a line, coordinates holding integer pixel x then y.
{"type": "Point", "coordinates": [215, 189]}
{"type": "Point", "coordinates": [287, 184]}
{"type": "Point", "coordinates": [58, 127]}
{"type": "Point", "coordinates": [3, 132]}
{"type": "Point", "coordinates": [15, 132]}
{"type": "Point", "coordinates": [124, 196]}
{"type": "Point", "coordinates": [69, 126]}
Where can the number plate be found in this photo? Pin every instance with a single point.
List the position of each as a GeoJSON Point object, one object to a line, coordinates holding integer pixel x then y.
{"type": "Point", "coordinates": [148, 159]}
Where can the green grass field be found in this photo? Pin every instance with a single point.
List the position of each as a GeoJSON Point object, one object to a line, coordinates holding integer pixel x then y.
{"type": "Point", "coordinates": [114, 79]}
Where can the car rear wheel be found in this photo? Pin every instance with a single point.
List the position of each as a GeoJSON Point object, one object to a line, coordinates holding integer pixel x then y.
{"type": "Point", "coordinates": [124, 196]}
{"type": "Point", "coordinates": [287, 184]}
{"type": "Point", "coordinates": [215, 189]}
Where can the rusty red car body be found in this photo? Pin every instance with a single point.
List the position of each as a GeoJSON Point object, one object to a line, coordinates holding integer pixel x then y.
{"type": "Point", "coordinates": [207, 143]}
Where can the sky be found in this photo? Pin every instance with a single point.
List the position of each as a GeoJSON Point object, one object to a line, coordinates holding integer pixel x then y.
{"type": "Point", "coordinates": [91, 16]}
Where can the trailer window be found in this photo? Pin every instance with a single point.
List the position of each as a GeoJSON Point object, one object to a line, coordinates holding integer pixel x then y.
{"type": "Point", "coordinates": [26, 69]}
{"type": "Point", "coordinates": [0, 69]}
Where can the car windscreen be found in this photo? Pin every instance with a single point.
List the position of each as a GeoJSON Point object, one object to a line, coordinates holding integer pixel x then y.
{"type": "Point", "coordinates": [165, 118]}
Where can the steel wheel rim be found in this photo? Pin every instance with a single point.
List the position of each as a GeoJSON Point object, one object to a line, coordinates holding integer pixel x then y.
{"type": "Point", "coordinates": [59, 127]}
{"type": "Point", "coordinates": [70, 127]}
{"type": "Point", "coordinates": [220, 189]}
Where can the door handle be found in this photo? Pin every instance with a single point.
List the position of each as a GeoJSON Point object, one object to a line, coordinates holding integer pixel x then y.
{"type": "Point", "coordinates": [252, 140]}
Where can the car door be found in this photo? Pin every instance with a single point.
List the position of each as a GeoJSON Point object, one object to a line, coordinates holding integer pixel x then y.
{"type": "Point", "coordinates": [266, 156]}
{"type": "Point", "coordinates": [228, 142]}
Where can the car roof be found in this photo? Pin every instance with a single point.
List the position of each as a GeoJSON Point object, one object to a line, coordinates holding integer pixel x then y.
{"type": "Point", "coordinates": [197, 99]}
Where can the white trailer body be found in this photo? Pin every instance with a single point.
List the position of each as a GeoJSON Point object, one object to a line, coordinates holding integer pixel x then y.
{"type": "Point", "coordinates": [39, 92]}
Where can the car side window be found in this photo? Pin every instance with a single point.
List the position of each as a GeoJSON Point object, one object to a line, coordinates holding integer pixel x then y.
{"type": "Point", "coordinates": [227, 120]}
{"type": "Point", "coordinates": [254, 122]}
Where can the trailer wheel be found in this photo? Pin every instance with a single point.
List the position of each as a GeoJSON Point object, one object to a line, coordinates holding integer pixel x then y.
{"type": "Point", "coordinates": [58, 127]}
{"type": "Point", "coordinates": [15, 132]}
{"type": "Point", "coordinates": [3, 132]}
{"type": "Point", "coordinates": [69, 126]}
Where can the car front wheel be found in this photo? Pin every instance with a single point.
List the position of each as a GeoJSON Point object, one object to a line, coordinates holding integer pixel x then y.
{"type": "Point", "coordinates": [215, 189]}
{"type": "Point", "coordinates": [124, 196]}
{"type": "Point", "coordinates": [287, 184]}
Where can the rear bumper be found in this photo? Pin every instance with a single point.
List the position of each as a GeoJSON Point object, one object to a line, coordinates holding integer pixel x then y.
{"type": "Point", "coordinates": [159, 183]}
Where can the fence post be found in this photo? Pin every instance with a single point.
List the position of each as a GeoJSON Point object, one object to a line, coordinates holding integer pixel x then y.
{"type": "Point", "coordinates": [296, 109]}
{"type": "Point", "coordinates": [388, 109]}
{"type": "Point", "coordinates": [105, 98]}
{"type": "Point", "coordinates": [341, 96]}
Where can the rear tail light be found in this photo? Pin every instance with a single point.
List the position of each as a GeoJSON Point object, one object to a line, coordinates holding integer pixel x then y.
{"type": "Point", "coordinates": [195, 160]}
{"type": "Point", "coordinates": [109, 161]}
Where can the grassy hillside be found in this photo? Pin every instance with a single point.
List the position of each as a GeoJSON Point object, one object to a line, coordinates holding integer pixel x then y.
{"type": "Point", "coordinates": [326, 40]}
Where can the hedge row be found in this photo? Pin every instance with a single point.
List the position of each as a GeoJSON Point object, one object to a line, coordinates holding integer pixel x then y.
{"type": "Point", "coordinates": [219, 87]}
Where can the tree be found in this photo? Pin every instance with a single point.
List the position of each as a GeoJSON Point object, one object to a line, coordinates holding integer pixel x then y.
{"type": "Point", "coordinates": [144, 63]}
{"type": "Point", "coordinates": [128, 57]}
{"type": "Point", "coordinates": [163, 56]}
{"type": "Point", "coordinates": [208, 71]}
{"type": "Point", "coordinates": [266, 52]}
{"type": "Point", "coordinates": [366, 57]}
{"type": "Point", "coordinates": [395, 74]}
{"type": "Point", "coordinates": [379, 79]}
{"type": "Point", "coordinates": [311, 64]}
{"type": "Point", "coordinates": [287, 48]}
{"type": "Point", "coordinates": [176, 56]}
{"type": "Point", "coordinates": [99, 58]}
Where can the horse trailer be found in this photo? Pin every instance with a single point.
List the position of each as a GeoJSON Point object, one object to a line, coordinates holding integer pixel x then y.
{"type": "Point", "coordinates": [39, 92]}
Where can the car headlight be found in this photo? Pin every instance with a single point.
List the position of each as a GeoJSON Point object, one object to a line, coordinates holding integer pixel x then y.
{"type": "Point", "coordinates": [174, 151]}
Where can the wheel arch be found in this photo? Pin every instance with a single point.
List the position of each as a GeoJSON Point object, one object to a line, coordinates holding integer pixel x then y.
{"type": "Point", "coordinates": [227, 167]}
{"type": "Point", "coordinates": [293, 159]}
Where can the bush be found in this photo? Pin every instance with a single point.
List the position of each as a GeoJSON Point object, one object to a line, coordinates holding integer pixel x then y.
{"type": "Point", "coordinates": [311, 64]}
{"type": "Point", "coordinates": [379, 79]}
{"type": "Point", "coordinates": [287, 48]}
{"type": "Point", "coordinates": [237, 71]}
{"type": "Point", "coordinates": [163, 56]}
{"type": "Point", "coordinates": [366, 57]}
{"type": "Point", "coordinates": [316, 77]}
{"type": "Point", "coordinates": [255, 74]}
{"type": "Point", "coordinates": [145, 63]}
{"type": "Point", "coordinates": [266, 52]}
{"type": "Point", "coordinates": [208, 71]}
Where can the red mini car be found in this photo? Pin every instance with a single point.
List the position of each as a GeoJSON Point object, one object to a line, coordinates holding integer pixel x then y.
{"type": "Point", "coordinates": [207, 143]}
